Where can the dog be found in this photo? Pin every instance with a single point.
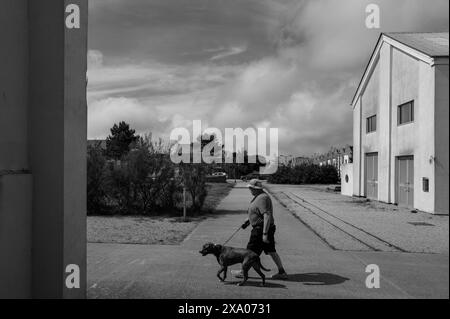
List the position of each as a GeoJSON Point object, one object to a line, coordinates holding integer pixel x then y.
{"type": "Point", "coordinates": [228, 256]}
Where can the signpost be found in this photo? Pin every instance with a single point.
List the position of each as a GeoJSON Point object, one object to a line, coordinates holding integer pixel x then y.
{"type": "Point", "coordinates": [184, 204]}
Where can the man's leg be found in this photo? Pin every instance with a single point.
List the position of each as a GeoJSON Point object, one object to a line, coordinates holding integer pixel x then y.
{"type": "Point", "coordinates": [277, 260]}
{"type": "Point", "coordinates": [281, 275]}
{"type": "Point", "coordinates": [270, 249]}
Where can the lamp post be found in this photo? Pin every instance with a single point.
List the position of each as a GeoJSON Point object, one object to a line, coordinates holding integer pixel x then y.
{"type": "Point", "coordinates": [184, 203]}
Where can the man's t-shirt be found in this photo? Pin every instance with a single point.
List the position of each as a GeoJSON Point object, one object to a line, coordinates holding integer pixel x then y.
{"type": "Point", "coordinates": [260, 205]}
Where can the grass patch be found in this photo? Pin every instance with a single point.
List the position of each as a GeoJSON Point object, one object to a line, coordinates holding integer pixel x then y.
{"type": "Point", "coordinates": [216, 192]}
{"type": "Point", "coordinates": [163, 230]}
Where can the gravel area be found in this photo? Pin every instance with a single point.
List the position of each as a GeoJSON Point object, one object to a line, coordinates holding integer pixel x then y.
{"type": "Point", "coordinates": [391, 223]}
{"type": "Point", "coordinates": [138, 230]}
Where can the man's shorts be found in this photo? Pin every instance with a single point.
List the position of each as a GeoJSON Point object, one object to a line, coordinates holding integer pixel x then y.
{"type": "Point", "coordinates": [256, 243]}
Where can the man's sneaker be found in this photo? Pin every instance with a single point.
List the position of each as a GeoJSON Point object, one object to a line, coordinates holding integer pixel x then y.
{"type": "Point", "coordinates": [237, 273]}
{"type": "Point", "coordinates": [279, 276]}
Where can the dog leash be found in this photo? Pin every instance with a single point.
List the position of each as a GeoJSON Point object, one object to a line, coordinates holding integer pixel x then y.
{"type": "Point", "coordinates": [231, 237]}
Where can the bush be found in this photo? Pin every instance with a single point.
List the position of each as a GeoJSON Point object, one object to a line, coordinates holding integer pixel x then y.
{"type": "Point", "coordinates": [305, 174]}
{"type": "Point", "coordinates": [142, 182]}
{"type": "Point", "coordinates": [119, 188]}
{"type": "Point", "coordinates": [193, 176]}
{"type": "Point", "coordinates": [96, 179]}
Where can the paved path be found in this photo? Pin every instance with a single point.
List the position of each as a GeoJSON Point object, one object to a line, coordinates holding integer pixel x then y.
{"type": "Point", "coordinates": [348, 223]}
{"type": "Point", "coordinates": [316, 271]}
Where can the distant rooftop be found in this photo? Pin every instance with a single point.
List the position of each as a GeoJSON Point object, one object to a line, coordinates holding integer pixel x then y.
{"type": "Point", "coordinates": [95, 143]}
{"type": "Point", "coordinates": [431, 44]}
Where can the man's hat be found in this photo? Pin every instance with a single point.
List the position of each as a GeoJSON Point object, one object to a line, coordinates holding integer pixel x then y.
{"type": "Point", "coordinates": [255, 184]}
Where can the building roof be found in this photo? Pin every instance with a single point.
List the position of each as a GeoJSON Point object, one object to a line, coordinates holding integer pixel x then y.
{"type": "Point", "coordinates": [427, 47]}
{"type": "Point", "coordinates": [97, 143]}
{"type": "Point", "coordinates": [431, 44]}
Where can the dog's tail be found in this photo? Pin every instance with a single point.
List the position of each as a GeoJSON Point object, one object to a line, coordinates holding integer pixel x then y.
{"type": "Point", "coordinates": [262, 267]}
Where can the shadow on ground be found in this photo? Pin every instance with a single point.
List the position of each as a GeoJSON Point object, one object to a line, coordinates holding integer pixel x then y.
{"type": "Point", "coordinates": [256, 284]}
{"type": "Point", "coordinates": [309, 279]}
{"type": "Point", "coordinates": [317, 279]}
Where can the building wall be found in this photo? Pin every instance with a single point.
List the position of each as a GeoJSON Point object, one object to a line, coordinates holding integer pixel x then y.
{"type": "Point", "coordinates": [399, 78]}
{"type": "Point", "coordinates": [347, 186]}
{"type": "Point", "coordinates": [357, 135]}
{"type": "Point", "coordinates": [42, 148]}
{"type": "Point", "coordinates": [413, 80]}
{"type": "Point", "coordinates": [15, 180]}
{"type": "Point", "coordinates": [75, 145]}
{"type": "Point", "coordinates": [15, 236]}
{"type": "Point", "coordinates": [441, 161]}
{"type": "Point", "coordinates": [14, 84]}
{"type": "Point", "coordinates": [46, 104]}
{"type": "Point", "coordinates": [370, 106]}
{"type": "Point", "coordinates": [57, 94]}
{"type": "Point", "coordinates": [384, 124]}
{"type": "Point", "coordinates": [423, 135]}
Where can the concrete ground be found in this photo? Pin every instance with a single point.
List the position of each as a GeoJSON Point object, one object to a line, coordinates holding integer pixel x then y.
{"type": "Point", "coordinates": [315, 270]}
{"type": "Point", "coordinates": [348, 223]}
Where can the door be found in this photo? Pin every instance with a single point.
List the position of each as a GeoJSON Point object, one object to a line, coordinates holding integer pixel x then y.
{"type": "Point", "coordinates": [405, 181]}
{"type": "Point", "coordinates": [372, 175]}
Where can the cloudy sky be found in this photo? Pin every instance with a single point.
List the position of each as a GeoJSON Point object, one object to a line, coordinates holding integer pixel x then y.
{"type": "Point", "coordinates": [288, 64]}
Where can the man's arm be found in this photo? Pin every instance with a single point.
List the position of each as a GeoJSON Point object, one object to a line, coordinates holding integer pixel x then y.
{"type": "Point", "coordinates": [267, 213]}
{"type": "Point", "coordinates": [266, 227]}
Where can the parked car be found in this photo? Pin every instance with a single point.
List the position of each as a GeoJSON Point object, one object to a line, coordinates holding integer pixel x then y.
{"type": "Point", "coordinates": [218, 177]}
{"type": "Point", "coordinates": [220, 174]}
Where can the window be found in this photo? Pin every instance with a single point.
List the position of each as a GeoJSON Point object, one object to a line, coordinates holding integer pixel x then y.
{"type": "Point", "coordinates": [406, 113]}
{"type": "Point", "coordinates": [426, 185]}
{"type": "Point", "coordinates": [371, 125]}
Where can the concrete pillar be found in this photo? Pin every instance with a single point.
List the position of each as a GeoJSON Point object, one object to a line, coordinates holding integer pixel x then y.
{"type": "Point", "coordinates": [15, 177]}
{"type": "Point", "coordinates": [43, 128]}
{"type": "Point", "coordinates": [58, 134]}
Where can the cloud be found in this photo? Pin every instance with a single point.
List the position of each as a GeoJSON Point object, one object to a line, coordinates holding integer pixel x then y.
{"type": "Point", "coordinates": [155, 79]}
{"type": "Point", "coordinates": [306, 87]}
{"type": "Point", "coordinates": [102, 115]}
{"type": "Point", "coordinates": [161, 64]}
{"type": "Point", "coordinates": [95, 59]}
{"type": "Point", "coordinates": [229, 52]}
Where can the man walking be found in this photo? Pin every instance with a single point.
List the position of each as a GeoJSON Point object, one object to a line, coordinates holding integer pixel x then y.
{"type": "Point", "coordinates": [260, 217]}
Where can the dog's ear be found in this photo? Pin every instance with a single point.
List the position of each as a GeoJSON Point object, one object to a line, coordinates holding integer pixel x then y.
{"type": "Point", "coordinates": [218, 248]}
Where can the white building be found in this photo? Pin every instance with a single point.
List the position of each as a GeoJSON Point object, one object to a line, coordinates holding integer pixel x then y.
{"type": "Point", "coordinates": [401, 123]}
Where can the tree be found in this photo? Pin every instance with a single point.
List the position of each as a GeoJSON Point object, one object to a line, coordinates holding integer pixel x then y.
{"type": "Point", "coordinates": [95, 180]}
{"type": "Point", "coordinates": [118, 143]}
{"type": "Point", "coordinates": [306, 173]}
{"type": "Point", "coordinates": [193, 177]}
{"type": "Point", "coordinates": [151, 173]}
